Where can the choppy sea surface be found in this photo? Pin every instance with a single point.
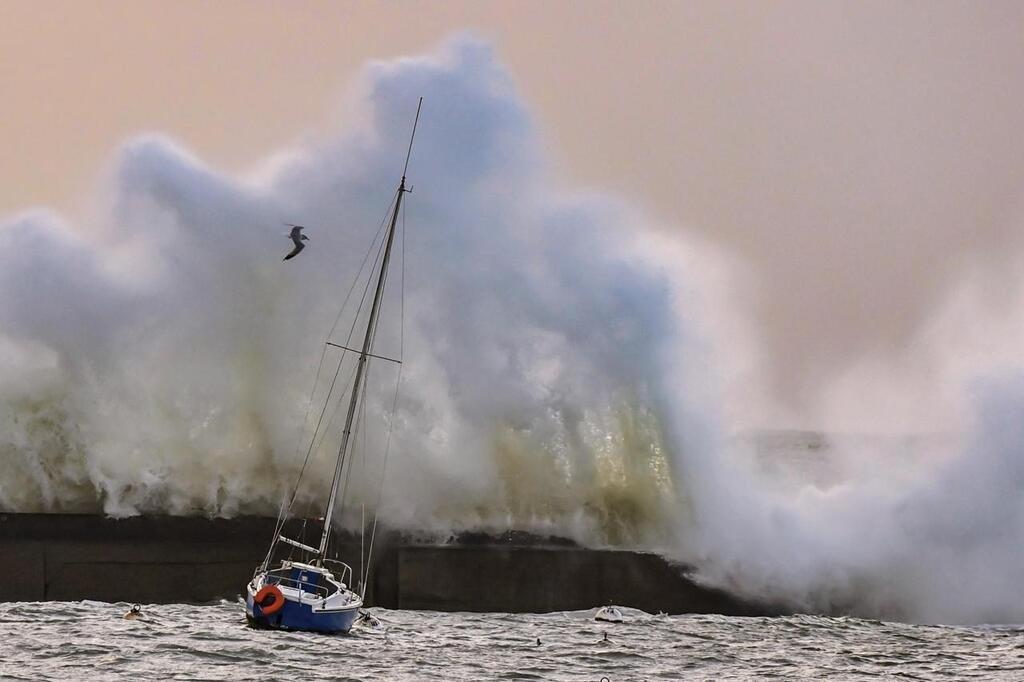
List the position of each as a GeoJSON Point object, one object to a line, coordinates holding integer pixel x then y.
{"type": "Point", "coordinates": [91, 641]}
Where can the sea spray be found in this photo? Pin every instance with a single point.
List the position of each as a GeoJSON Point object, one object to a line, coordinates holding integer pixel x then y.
{"type": "Point", "coordinates": [180, 351]}
{"type": "Point", "coordinates": [159, 357]}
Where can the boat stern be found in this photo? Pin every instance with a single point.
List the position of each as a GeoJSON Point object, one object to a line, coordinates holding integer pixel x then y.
{"type": "Point", "coordinates": [305, 598]}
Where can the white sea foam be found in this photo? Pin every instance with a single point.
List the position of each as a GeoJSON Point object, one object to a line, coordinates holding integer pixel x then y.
{"type": "Point", "coordinates": [158, 358]}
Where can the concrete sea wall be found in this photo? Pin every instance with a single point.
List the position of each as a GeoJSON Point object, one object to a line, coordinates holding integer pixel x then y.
{"type": "Point", "coordinates": [194, 559]}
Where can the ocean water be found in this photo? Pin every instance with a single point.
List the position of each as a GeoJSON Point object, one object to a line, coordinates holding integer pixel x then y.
{"type": "Point", "coordinates": [91, 641]}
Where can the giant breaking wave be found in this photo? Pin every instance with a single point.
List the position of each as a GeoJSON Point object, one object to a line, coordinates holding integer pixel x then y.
{"type": "Point", "coordinates": [158, 358]}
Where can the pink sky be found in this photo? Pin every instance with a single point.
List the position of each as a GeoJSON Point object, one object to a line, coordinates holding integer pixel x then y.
{"type": "Point", "coordinates": [861, 159]}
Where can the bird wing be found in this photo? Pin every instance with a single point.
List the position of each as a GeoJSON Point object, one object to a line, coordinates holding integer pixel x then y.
{"type": "Point", "coordinates": [299, 246]}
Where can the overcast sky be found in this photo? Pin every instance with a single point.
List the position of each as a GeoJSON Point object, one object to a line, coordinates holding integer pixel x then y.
{"type": "Point", "coordinates": [860, 160]}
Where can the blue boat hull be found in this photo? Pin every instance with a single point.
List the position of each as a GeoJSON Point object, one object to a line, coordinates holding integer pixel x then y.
{"type": "Point", "coordinates": [295, 616]}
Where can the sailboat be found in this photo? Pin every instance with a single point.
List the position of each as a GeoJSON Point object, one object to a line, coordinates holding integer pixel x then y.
{"type": "Point", "coordinates": [315, 594]}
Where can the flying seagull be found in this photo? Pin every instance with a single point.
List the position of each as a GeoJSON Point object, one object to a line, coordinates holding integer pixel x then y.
{"type": "Point", "coordinates": [297, 237]}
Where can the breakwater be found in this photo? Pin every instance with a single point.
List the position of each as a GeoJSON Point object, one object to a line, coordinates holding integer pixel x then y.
{"type": "Point", "coordinates": [171, 559]}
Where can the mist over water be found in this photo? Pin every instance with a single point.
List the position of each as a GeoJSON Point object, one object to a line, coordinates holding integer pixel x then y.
{"type": "Point", "coordinates": [560, 372]}
{"type": "Point", "coordinates": [159, 357]}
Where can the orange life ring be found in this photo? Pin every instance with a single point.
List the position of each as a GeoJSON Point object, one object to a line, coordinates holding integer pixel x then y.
{"type": "Point", "coordinates": [269, 599]}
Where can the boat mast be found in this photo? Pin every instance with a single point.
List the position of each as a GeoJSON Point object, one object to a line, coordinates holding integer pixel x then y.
{"type": "Point", "coordinates": [364, 355]}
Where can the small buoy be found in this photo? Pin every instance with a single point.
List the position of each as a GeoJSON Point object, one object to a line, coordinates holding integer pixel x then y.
{"type": "Point", "coordinates": [368, 620]}
{"type": "Point", "coordinates": [134, 613]}
{"type": "Point", "coordinates": [538, 641]}
{"type": "Point", "coordinates": [605, 637]}
{"type": "Point", "coordinates": [608, 614]}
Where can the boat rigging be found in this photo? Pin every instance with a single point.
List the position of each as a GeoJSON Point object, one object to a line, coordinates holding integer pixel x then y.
{"type": "Point", "coordinates": [308, 595]}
